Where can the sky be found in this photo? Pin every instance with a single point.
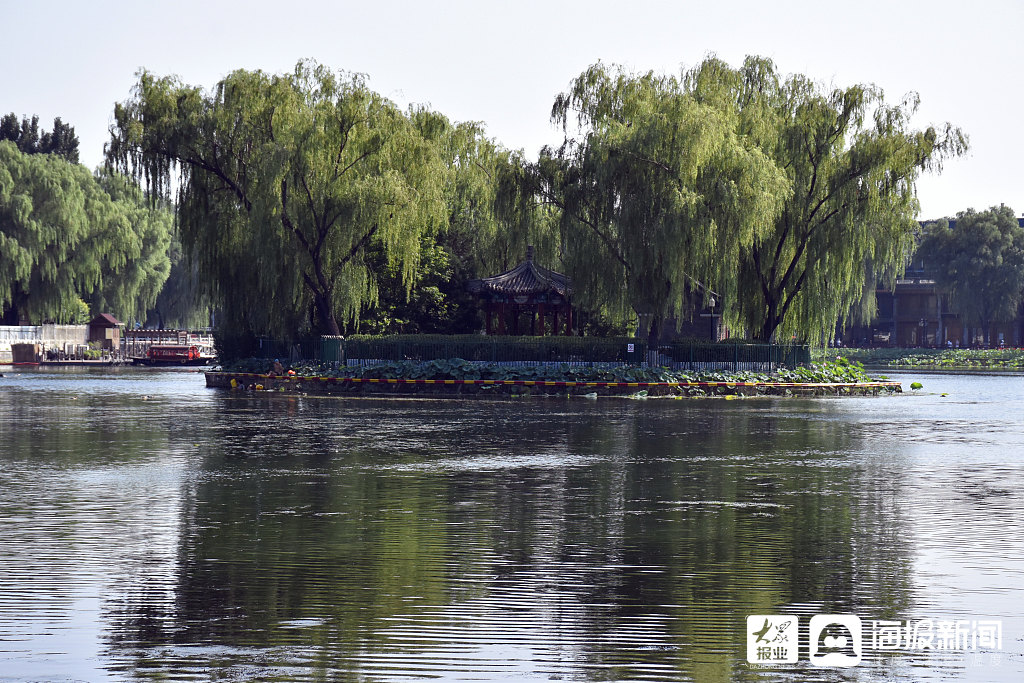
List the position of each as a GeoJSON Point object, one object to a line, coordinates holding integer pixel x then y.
{"type": "Point", "coordinates": [503, 63]}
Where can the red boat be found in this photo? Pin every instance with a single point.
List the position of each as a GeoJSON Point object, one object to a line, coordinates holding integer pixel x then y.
{"type": "Point", "coordinates": [172, 354]}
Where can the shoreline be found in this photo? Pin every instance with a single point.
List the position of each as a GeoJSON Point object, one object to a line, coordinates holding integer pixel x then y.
{"type": "Point", "coordinates": [65, 363]}
{"type": "Point", "coordinates": [931, 370]}
{"type": "Point", "coordinates": [966, 360]}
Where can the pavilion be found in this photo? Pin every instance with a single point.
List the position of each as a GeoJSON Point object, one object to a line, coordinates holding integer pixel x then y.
{"type": "Point", "coordinates": [526, 290]}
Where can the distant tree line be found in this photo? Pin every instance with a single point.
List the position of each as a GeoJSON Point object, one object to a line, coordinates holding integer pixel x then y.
{"type": "Point", "coordinates": [71, 241]}
{"type": "Point", "coordinates": [978, 262]}
{"type": "Point", "coordinates": [28, 137]}
{"type": "Point", "coordinates": [74, 244]}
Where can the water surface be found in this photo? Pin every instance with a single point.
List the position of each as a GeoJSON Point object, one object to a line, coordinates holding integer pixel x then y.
{"type": "Point", "coordinates": [152, 529]}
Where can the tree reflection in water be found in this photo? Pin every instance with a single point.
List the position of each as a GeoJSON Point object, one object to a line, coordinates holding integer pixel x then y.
{"type": "Point", "coordinates": [606, 540]}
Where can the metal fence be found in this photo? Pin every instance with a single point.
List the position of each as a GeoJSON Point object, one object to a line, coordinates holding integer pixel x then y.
{"type": "Point", "coordinates": [574, 351]}
{"type": "Point", "coordinates": [734, 357]}
{"type": "Point", "coordinates": [49, 333]}
{"type": "Point", "coordinates": [577, 351]}
{"type": "Point", "coordinates": [476, 348]}
{"type": "Point", "coordinates": [290, 351]}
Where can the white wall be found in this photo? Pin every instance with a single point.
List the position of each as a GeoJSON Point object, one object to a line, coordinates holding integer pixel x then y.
{"type": "Point", "coordinates": [48, 335]}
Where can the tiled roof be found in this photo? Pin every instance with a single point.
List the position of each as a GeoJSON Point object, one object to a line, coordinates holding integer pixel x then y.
{"type": "Point", "coordinates": [526, 278]}
{"type": "Point", "coordinates": [105, 319]}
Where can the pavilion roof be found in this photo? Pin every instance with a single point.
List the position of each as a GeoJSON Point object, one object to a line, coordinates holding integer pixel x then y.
{"type": "Point", "coordinates": [105, 320]}
{"type": "Point", "coordinates": [525, 279]}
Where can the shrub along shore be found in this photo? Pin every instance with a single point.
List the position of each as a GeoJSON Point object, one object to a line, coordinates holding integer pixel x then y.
{"type": "Point", "coordinates": [932, 359]}
{"type": "Point", "coordinates": [456, 376]}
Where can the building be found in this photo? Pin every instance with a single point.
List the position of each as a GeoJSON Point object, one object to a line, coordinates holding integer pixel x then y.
{"type": "Point", "coordinates": [105, 330]}
{"type": "Point", "coordinates": [527, 299]}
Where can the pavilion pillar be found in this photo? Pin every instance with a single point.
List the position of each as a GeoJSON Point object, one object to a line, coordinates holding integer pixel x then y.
{"type": "Point", "coordinates": [554, 323]}
{"type": "Point", "coordinates": [540, 315]}
{"type": "Point", "coordinates": [490, 311]}
{"type": "Point", "coordinates": [501, 318]}
{"type": "Point", "coordinates": [568, 318]}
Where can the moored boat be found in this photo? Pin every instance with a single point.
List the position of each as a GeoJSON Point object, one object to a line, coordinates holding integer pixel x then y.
{"type": "Point", "coordinates": [172, 354]}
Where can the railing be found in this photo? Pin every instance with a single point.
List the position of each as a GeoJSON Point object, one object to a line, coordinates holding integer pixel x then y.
{"type": "Point", "coordinates": [19, 333]}
{"type": "Point", "coordinates": [136, 343]}
{"type": "Point", "coordinates": [48, 333]}
{"type": "Point", "coordinates": [290, 351]}
{"type": "Point", "coordinates": [736, 356]}
{"type": "Point", "coordinates": [587, 351]}
{"type": "Point", "coordinates": [365, 350]}
{"type": "Point", "coordinates": [574, 351]}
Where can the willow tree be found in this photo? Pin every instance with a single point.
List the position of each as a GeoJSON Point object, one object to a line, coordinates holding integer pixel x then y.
{"type": "Point", "coordinates": [852, 161]}
{"type": "Point", "coordinates": [659, 192]}
{"type": "Point", "coordinates": [63, 238]}
{"type": "Point", "coordinates": [181, 302]}
{"type": "Point", "coordinates": [489, 221]}
{"type": "Point", "coordinates": [486, 230]}
{"type": "Point", "coordinates": [284, 183]}
{"type": "Point", "coordinates": [978, 261]}
{"type": "Point", "coordinates": [132, 288]}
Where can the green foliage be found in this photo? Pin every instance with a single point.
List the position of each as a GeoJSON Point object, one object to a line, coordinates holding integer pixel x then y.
{"type": "Point", "coordinates": [488, 224]}
{"type": "Point", "coordinates": [788, 199]}
{"type": "Point", "coordinates": [979, 263]}
{"type": "Point", "coordinates": [658, 192]}
{"type": "Point", "coordinates": [941, 359]}
{"type": "Point", "coordinates": [490, 220]}
{"type": "Point", "coordinates": [601, 322]}
{"type": "Point", "coordinates": [78, 314]}
{"type": "Point", "coordinates": [842, 371]}
{"type": "Point", "coordinates": [141, 275]}
{"type": "Point", "coordinates": [61, 141]}
{"type": "Point", "coordinates": [66, 236]}
{"type": "Point", "coordinates": [436, 303]}
{"type": "Point", "coordinates": [286, 183]}
{"type": "Point", "coordinates": [838, 370]}
{"type": "Point", "coordinates": [182, 302]}
{"type": "Point", "coordinates": [851, 161]}
{"type": "Point", "coordinates": [94, 352]}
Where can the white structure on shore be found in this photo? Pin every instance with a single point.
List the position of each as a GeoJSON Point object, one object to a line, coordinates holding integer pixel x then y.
{"type": "Point", "coordinates": [73, 340]}
{"type": "Point", "coordinates": [68, 338]}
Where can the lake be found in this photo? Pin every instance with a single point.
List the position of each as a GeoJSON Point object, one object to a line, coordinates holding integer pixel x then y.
{"type": "Point", "coordinates": [154, 529]}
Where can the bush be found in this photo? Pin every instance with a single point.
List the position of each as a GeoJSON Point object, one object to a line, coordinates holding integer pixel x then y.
{"type": "Point", "coordinates": [840, 370]}
{"type": "Point", "coordinates": [952, 359]}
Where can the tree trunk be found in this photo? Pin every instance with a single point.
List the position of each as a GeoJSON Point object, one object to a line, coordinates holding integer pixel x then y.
{"type": "Point", "coordinates": [12, 316]}
{"type": "Point", "coordinates": [327, 319]}
{"type": "Point", "coordinates": [771, 322]}
{"type": "Point", "coordinates": [654, 332]}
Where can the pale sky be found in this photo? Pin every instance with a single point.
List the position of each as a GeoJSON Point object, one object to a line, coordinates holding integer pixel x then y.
{"type": "Point", "coordinates": [503, 63]}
